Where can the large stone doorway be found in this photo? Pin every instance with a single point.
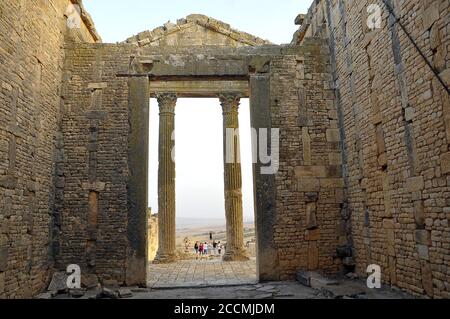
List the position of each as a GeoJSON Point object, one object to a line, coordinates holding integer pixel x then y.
{"type": "Point", "coordinates": [232, 78]}
{"type": "Point", "coordinates": [200, 206]}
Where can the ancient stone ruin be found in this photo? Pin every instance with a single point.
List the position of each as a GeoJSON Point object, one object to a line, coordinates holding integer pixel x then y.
{"type": "Point", "coordinates": [362, 108]}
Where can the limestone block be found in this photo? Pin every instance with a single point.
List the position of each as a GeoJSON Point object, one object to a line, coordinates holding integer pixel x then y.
{"type": "Point", "coordinates": [306, 146]}
{"type": "Point", "coordinates": [97, 86]}
{"type": "Point", "coordinates": [311, 219]}
{"type": "Point", "coordinates": [431, 15]}
{"type": "Point", "coordinates": [409, 114]}
{"type": "Point", "coordinates": [300, 19]}
{"type": "Point", "coordinates": [197, 18]}
{"type": "Point", "coordinates": [415, 184]}
{"type": "Point", "coordinates": [335, 159]}
{"type": "Point", "coordinates": [392, 270]}
{"type": "Point", "coordinates": [382, 160]}
{"type": "Point", "coordinates": [305, 121]}
{"type": "Point", "coordinates": [445, 163]}
{"type": "Point", "coordinates": [427, 278]}
{"type": "Point", "coordinates": [312, 234]}
{"type": "Point", "coordinates": [94, 186]}
{"type": "Point", "coordinates": [423, 237]}
{"type": "Point", "coordinates": [422, 250]}
{"type": "Point", "coordinates": [388, 223]}
{"type": "Point", "coordinates": [4, 253]}
{"type": "Point", "coordinates": [311, 197]}
{"type": "Point", "coordinates": [2, 282]}
{"type": "Point", "coordinates": [339, 192]}
{"type": "Point", "coordinates": [313, 255]}
{"type": "Point", "coordinates": [58, 282]}
{"type": "Point", "coordinates": [8, 182]}
{"type": "Point", "coordinates": [310, 171]}
{"type": "Point", "coordinates": [308, 185]}
{"type": "Point", "coordinates": [334, 171]}
{"type": "Point", "coordinates": [435, 39]}
{"type": "Point", "coordinates": [331, 183]}
{"type": "Point", "coordinates": [6, 86]}
{"type": "Point", "coordinates": [333, 135]}
{"type": "Point", "coordinates": [390, 241]}
{"type": "Point", "coordinates": [445, 75]}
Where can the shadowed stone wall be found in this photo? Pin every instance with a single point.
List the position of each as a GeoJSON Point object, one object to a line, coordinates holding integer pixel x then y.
{"type": "Point", "coordinates": [307, 230]}
{"type": "Point", "coordinates": [364, 126]}
{"type": "Point", "coordinates": [32, 35]}
{"type": "Point", "coordinates": [395, 121]}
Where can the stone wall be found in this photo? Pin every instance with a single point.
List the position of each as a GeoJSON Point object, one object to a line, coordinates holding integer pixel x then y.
{"type": "Point", "coordinates": [309, 182]}
{"type": "Point", "coordinates": [94, 161]}
{"type": "Point", "coordinates": [32, 35]}
{"type": "Point", "coordinates": [395, 122]}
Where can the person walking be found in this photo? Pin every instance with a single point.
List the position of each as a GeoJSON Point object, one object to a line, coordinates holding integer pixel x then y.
{"type": "Point", "coordinates": [196, 247]}
{"type": "Point", "coordinates": [219, 248]}
{"type": "Point", "coordinates": [215, 248]}
{"type": "Point", "coordinates": [205, 248]}
{"type": "Point", "coordinates": [200, 249]}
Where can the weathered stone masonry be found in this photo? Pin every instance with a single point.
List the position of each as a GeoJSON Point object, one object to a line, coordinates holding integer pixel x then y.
{"type": "Point", "coordinates": [32, 36]}
{"type": "Point", "coordinates": [298, 184]}
{"type": "Point", "coordinates": [364, 141]}
{"type": "Point", "coordinates": [394, 123]}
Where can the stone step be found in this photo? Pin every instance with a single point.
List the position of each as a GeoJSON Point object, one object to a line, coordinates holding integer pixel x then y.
{"type": "Point", "coordinates": [314, 280]}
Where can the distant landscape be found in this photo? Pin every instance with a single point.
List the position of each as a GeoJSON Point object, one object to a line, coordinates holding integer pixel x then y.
{"type": "Point", "coordinates": [198, 230]}
{"type": "Point", "coordinates": [192, 223]}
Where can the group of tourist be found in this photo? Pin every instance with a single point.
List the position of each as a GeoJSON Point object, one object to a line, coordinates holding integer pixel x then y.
{"type": "Point", "coordinates": [205, 248]}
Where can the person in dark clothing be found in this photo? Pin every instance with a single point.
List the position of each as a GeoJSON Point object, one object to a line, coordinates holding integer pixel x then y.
{"type": "Point", "coordinates": [196, 247]}
{"type": "Point", "coordinates": [215, 247]}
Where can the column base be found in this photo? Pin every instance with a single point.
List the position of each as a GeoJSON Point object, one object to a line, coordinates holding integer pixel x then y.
{"type": "Point", "coordinates": [165, 258]}
{"type": "Point", "coordinates": [240, 255]}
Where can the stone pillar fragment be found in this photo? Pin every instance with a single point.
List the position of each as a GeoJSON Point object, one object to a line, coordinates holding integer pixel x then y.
{"type": "Point", "coordinates": [166, 180]}
{"type": "Point", "coordinates": [233, 180]}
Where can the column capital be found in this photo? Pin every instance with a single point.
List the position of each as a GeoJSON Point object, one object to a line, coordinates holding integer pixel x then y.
{"type": "Point", "coordinates": [167, 102]}
{"type": "Point", "coordinates": [230, 102]}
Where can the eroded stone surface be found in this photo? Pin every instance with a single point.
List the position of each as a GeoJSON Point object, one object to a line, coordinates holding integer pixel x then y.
{"type": "Point", "coordinates": [362, 177]}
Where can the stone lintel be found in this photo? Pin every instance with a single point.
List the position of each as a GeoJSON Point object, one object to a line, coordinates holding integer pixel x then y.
{"type": "Point", "coordinates": [199, 88]}
{"type": "Point", "coordinates": [94, 186]}
{"type": "Point", "coordinates": [98, 85]}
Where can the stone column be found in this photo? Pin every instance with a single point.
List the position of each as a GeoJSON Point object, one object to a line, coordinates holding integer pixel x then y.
{"type": "Point", "coordinates": [233, 181]}
{"type": "Point", "coordinates": [166, 180]}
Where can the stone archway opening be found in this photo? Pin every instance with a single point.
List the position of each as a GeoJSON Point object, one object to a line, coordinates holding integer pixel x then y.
{"type": "Point", "coordinates": [200, 209]}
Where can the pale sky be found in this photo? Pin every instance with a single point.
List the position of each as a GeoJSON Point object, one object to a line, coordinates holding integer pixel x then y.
{"type": "Point", "coordinates": [199, 160]}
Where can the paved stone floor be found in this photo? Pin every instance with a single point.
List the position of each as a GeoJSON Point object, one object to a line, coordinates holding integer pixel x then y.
{"type": "Point", "coordinates": [201, 273]}
{"type": "Point", "coordinates": [274, 290]}
{"type": "Point", "coordinates": [342, 289]}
